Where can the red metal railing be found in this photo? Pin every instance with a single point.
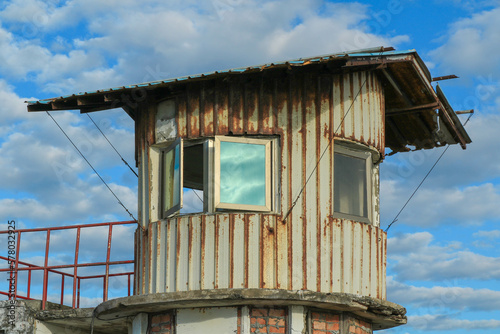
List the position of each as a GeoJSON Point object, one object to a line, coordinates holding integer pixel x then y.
{"type": "Point", "coordinates": [56, 269]}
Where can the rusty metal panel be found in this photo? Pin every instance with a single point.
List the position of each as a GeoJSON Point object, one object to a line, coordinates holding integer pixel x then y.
{"type": "Point", "coordinates": [365, 259]}
{"type": "Point", "coordinates": [171, 246]}
{"type": "Point", "coordinates": [181, 115]}
{"type": "Point", "coordinates": [348, 105]}
{"type": "Point", "coordinates": [267, 108]}
{"type": "Point", "coordinates": [253, 243]}
{"type": "Point", "coordinates": [383, 265]}
{"type": "Point", "coordinates": [312, 199]}
{"type": "Point", "coordinates": [237, 104]}
{"type": "Point", "coordinates": [161, 252]}
{"type": "Point", "coordinates": [337, 255]}
{"type": "Point", "coordinates": [221, 117]}
{"type": "Point", "coordinates": [238, 251]}
{"type": "Point", "coordinates": [268, 252]}
{"type": "Point", "coordinates": [310, 250]}
{"type": "Point", "coordinates": [182, 257]}
{"type": "Point", "coordinates": [207, 110]}
{"type": "Point", "coordinates": [222, 252]}
{"type": "Point", "coordinates": [347, 269]}
{"type": "Point", "coordinates": [194, 253]}
{"type": "Point", "coordinates": [283, 121]}
{"type": "Point", "coordinates": [324, 182]}
{"type": "Point", "coordinates": [208, 252]}
{"type": "Point", "coordinates": [153, 265]}
{"type": "Point", "coordinates": [296, 181]}
{"type": "Point", "coordinates": [193, 111]}
{"type": "Point", "coordinates": [255, 106]}
{"type": "Point", "coordinates": [241, 250]}
{"type": "Point", "coordinates": [251, 108]}
{"type": "Point", "coordinates": [144, 266]}
{"type": "Point", "coordinates": [356, 260]}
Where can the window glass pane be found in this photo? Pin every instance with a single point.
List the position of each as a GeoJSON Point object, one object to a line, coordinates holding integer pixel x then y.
{"type": "Point", "coordinates": [242, 173]}
{"type": "Point", "coordinates": [171, 178]}
{"type": "Point", "coordinates": [350, 196]}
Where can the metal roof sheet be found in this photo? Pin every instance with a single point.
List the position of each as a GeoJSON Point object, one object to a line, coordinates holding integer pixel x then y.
{"type": "Point", "coordinates": [374, 52]}
{"type": "Point", "coordinates": [411, 102]}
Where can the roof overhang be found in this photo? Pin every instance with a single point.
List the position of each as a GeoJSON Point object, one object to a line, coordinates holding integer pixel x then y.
{"type": "Point", "coordinates": [417, 116]}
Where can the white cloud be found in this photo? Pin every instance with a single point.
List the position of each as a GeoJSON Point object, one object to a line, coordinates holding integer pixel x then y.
{"type": "Point", "coordinates": [179, 39]}
{"type": "Point", "coordinates": [431, 322]}
{"type": "Point", "coordinates": [47, 182]}
{"type": "Point", "coordinates": [457, 191]}
{"type": "Point", "coordinates": [472, 44]}
{"type": "Point", "coordinates": [494, 234]}
{"type": "Point", "coordinates": [430, 206]}
{"type": "Point", "coordinates": [441, 299]}
{"type": "Point", "coordinates": [422, 260]}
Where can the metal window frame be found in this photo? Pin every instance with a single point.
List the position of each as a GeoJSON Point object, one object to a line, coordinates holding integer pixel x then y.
{"type": "Point", "coordinates": [270, 187]}
{"type": "Point", "coordinates": [355, 151]}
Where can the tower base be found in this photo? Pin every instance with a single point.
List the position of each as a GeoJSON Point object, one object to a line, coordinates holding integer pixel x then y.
{"type": "Point", "coordinates": [245, 311]}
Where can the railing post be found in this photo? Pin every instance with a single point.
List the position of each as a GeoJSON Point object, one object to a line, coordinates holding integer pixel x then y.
{"type": "Point", "coordinates": [108, 255]}
{"type": "Point", "coordinates": [75, 268]}
{"type": "Point", "coordinates": [78, 296]}
{"type": "Point", "coordinates": [18, 249]}
{"type": "Point", "coordinates": [129, 284]}
{"type": "Point", "coordinates": [29, 283]}
{"type": "Point", "coordinates": [45, 271]}
{"type": "Point", "coordinates": [62, 289]}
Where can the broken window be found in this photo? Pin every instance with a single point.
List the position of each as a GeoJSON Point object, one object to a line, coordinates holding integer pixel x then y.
{"type": "Point", "coordinates": [352, 183]}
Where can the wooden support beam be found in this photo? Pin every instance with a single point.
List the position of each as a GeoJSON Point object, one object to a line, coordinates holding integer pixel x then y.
{"type": "Point", "coordinates": [396, 87]}
{"type": "Point", "coordinates": [414, 109]}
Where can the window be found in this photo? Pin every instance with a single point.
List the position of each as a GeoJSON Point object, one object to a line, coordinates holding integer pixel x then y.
{"type": "Point", "coordinates": [242, 174]}
{"type": "Point", "coordinates": [225, 173]}
{"type": "Point", "coordinates": [171, 178]}
{"type": "Point", "coordinates": [352, 183]}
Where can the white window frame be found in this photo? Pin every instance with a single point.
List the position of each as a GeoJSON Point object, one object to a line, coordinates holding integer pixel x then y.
{"type": "Point", "coordinates": [167, 212]}
{"type": "Point", "coordinates": [355, 151]}
{"type": "Point", "coordinates": [218, 204]}
{"type": "Point", "coordinates": [211, 175]}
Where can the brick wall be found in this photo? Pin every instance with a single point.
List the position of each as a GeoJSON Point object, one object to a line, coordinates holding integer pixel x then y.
{"type": "Point", "coordinates": [325, 323]}
{"type": "Point", "coordinates": [357, 326]}
{"type": "Point", "coordinates": [162, 323]}
{"type": "Point", "coordinates": [268, 320]}
{"type": "Point", "coordinates": [273, 320]}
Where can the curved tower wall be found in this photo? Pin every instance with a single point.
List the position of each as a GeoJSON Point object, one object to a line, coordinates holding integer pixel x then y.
{"type": "Point", "coordinates": [313, 249]}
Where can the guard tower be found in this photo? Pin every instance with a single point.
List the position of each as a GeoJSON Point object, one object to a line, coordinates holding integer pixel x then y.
{"type": "Point", "coordinates": [284, 157]}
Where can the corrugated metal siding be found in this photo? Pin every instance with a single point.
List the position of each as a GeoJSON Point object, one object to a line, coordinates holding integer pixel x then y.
{"type": "Point", "coordinates": [241, 251]}
{"type": "Point", "coordinates": [311, 250]}
{"type": "Point", "coordinates": [264, 105]}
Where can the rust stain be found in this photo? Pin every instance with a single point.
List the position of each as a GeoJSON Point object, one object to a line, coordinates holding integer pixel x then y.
{"type": "Point", "coordinates": [247, 241]}
{"type": "Point", "coordinates": [290, 110]}
{"type": "Point", "coordinates": [217, 269]}
{"type": "Point", "coordinates": [263, 250]}
{"type": "Point", "coordinates": [303, 109]}
{"type": "Point", "coordinates": [203, 250]}
{"type": "Point", "coordinates": [231, 251]}
{"type": "Point", "coordinates": [222, 107]}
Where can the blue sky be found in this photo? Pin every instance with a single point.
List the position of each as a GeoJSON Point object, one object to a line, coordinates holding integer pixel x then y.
{"type": "Point", "coordinates": [443, 256]}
